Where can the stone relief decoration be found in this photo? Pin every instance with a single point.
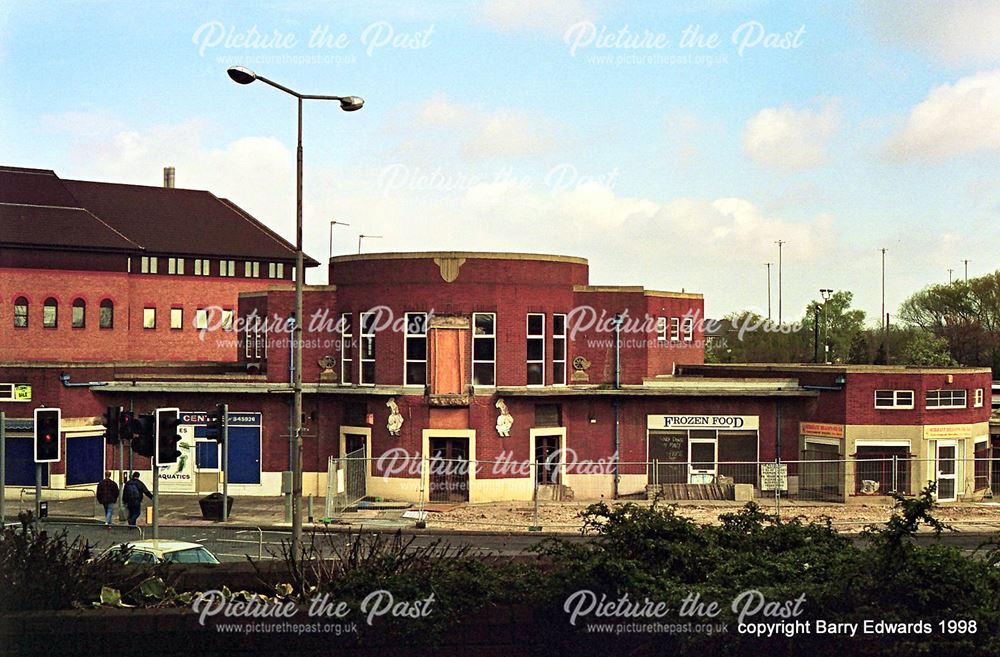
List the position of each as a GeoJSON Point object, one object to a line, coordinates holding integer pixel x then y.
{"type": "Point", "coordinates": [395, 422]}
{"type": "Point", "coordinates": [504, 420]}
{"type": "Point", "coordinates": [869, 487]}
{"type": "Point", "coordinates": [327, 363]}
{"type": "Point", "coordinates": [449, 268]}
{"type": "Point", "coordinates": [580, 367]}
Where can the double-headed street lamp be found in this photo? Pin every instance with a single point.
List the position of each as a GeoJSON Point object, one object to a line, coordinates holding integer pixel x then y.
{"type": "Point", "coordinates": [348, 104]}
{"type": "Point", "coordinates": [826, 293]}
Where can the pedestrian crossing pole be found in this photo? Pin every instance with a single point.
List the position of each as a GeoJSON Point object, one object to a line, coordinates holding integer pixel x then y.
{"type": "Point", "coordinates": [3, 468]}
{"type": "Point", "coordinates": [225, 462]}
{"type": "Point", "coordinates": [156, 493]}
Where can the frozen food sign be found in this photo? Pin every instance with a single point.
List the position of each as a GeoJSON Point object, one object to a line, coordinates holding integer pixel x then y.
{"type": "Point", "coordinates": [731, 422]}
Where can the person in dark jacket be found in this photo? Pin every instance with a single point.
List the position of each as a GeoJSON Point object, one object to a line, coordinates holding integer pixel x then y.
{"type": "Point", "coordinates": [107, 494]}
{"type": "Point", "coordinates": [132, 497]}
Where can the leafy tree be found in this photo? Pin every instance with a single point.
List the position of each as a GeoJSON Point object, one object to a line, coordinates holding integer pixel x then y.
{"type": "Point", "coordinates": [838, 325]}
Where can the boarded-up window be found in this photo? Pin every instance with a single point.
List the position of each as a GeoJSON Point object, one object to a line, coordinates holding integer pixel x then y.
{"type": "Point", "coordinates": [548, 415]}
{"type": "Point", "coordinates": [356, 414]}
{"type": "Point", "coordinates": [738, 456]}
{"type": "Point", "coordinates": [669, 451]}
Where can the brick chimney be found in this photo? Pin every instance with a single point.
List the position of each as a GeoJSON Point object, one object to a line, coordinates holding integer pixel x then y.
{"type": "Point", "coordinates": [168, 177]}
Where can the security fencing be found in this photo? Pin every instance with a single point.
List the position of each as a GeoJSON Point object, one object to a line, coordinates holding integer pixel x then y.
{"type": "Point", "coordinates": [346, 482]}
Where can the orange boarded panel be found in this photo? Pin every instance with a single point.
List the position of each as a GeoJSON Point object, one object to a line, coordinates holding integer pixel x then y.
{"type": "Point", "coordinates": [449, 418]}
{"type": "Point", "coordinates": [448, 361]}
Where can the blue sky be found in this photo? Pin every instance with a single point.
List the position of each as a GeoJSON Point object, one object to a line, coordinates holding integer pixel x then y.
{"type": "Point", "coordinates": [504, 126]}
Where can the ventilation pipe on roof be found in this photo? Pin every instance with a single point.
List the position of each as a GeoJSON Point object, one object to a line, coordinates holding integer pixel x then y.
{"type": "Point", "coordinates": [169, 174]}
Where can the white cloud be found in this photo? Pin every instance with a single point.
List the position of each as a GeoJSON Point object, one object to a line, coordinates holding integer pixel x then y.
{"type": "Point", "coordinates": [474, 132]}
{"type": "Point", "coordinates": [957, 118]}
{"type": "Point", "coordinates": [790, 138]}
{"type": "Point", "coordinates": [552, 16]}
{"type": "Point", "coordinates": [956, 33]}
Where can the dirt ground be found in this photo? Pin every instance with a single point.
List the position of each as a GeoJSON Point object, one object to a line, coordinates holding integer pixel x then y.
{"type": "Point", "coordinates": [564, 516]}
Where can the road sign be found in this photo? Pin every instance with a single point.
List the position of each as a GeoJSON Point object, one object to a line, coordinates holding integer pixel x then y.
{"type": "Point", "coordinates": [774, 476]}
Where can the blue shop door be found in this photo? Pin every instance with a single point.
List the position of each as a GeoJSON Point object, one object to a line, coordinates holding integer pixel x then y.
{"type": "Point", "coordinates": [244, 455]}
{"type": "Point", "coordinates": [21, 463]}
{"type": "Point", "coordinates": [84, 460]}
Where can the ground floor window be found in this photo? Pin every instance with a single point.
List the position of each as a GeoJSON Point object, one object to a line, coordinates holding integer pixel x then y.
{"type": "Point", "coordinates": [881, 469]}
{"type": "Point", "coordinates": [703, 456]}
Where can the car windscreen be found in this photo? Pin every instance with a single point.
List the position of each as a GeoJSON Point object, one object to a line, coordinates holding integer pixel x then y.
{"type": "Point", "coordinates": [190, 555]}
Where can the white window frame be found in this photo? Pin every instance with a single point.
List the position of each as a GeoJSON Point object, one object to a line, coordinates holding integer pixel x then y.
{"type": "Point", "coordinates": [175, 266]}
{"type": "Point", "coordinates": [956, 477]}
{"type": "Point", "coordinates": [367, 337]}
{"type": "Point", "coordinates": [661, 329]}
{"type": "Point", "coordinates": [675, 329]}
{"type": "Point", "coordinates": [226, 322]}
{"type": "Point", "coordinates": [201, 319]}
{"type": "Point", "coordinates": [148, 308]}
{"type": "Point", "coordinates": [180, 315]}
{"type": "Point", "coordinates": [346, 338]}
{"type": "Point", "coordinates": [483, 337]}
{"type": "Point", "coordinates": [896, 404]}
{"type": "Point", "coordinates": [406, 351]}
{"type": "Point", "coordinates": [7, 393]}
{"type": "Point", "coordinates": [952, 393]}
{"type": "Point", "coordinates": [227, 268]}
{"type": "Point", "coordinates": [535, 336]}
{"type": "Point", "coordinates": [977, 398]}
{"type": "Point", "coordinates": [688, 329]}
{"type": "Point", "coordinates": [559, 355]}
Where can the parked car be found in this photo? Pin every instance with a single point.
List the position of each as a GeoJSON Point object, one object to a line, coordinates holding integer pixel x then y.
{"type": "Point", "coordinates": [159, 550]}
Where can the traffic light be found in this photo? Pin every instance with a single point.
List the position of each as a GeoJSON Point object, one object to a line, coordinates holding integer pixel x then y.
{"type": "Point", "coordinates": [128, 426]}
{"type": "Point", "coordinates": [215, 429]}
{"type": "Point", "coordinates": [143, 440]}
{"type": "Point", "coordinates": [112, 423]}
{"type": "Point", "coordinates": [47, 429]}
{"type": "Point", "coordinates": [167, 421]}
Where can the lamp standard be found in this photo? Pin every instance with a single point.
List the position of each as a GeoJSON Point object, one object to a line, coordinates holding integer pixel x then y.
{"type": "Point", "coordinates": [826, 293]}
{"type": "Point", "coordinates": [243, 75]}
{"type": "Point", "coordinates": [332, 224]}
{"type": "Point", "coordinates": [366, 237]}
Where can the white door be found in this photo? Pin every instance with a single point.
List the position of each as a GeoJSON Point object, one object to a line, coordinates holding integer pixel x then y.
{"type": "Point", "coordinates": [701, 460]}
{"type": "Point", "coordinates": [947, 467]}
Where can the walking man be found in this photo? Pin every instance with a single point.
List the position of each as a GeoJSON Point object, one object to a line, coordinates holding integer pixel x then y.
{"type": "Point", "coordinates": [107, 494]}
{"type": "Point", "coordinates": [132, 497]}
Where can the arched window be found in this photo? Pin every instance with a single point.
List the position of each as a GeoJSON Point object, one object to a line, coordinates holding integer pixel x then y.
{"type": "Point", "coordinates": [20, 313]}
{"type": "Point", "coordinates": [50, 313]}
{"type": "Point", "coordinates": [79, 313]}
{"type": "Point", "coordinates": [107, 314]}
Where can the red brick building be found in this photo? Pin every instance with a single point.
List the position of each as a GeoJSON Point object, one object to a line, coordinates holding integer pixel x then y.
{"type": "Point", "coordinates": [98, 272]}
{"type": "Point", "coordinates": [515, 369]}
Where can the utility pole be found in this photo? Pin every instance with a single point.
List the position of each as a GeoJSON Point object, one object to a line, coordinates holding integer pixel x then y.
{"type": "Point", "coordinates": [780, 243]}
{"type": "Point", "coordinates": [3, 466]}
{"type": "Point", "coordinates": [885, 326]}
{"type": "Point", "coordinates": [950, 270]}
{"type": "Point", "coordinates": [768, 265]}
{"type": "Point", "coordinates": [966, 270]}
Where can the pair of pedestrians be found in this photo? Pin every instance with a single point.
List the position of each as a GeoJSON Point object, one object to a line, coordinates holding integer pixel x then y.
{"type": "Point", "coordinates": [132, 494]}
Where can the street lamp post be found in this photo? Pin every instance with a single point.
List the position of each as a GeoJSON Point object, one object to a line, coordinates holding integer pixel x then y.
{"type": "Point", "coordinates": [365, 237]}
{"type": "Point", "coordinates": [826, 293]}
{"type": "Point", "coordinates": [332, 224]}
{"type": "Point", "coordinates": [243, 75]}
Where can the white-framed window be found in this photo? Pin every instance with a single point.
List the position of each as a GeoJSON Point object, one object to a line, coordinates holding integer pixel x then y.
{"type": "Point", "coordinates": [149, 318]}
{"type": "Point", "coordinates": [275, 270]}
{"type": "Point", "coordinates": [559, 349]}
{"type": "Point", "coordinates": [536, 349]}
{"type": "Point", "coordinates": [227, 268]}
{"type": "Point", "coordinates": [675, 329]}
{"type": "Point", "coordinates": [147, 264]}
{"type": "Point", "coordinates": [8, 394]}
{"type": "Point", "coordinates": [367, 356]}
{"type": "Point", "coordinates": [661, 329]}
{"type": "Point", "coordinates": [227, 319]}
{"type": "Point", "coordinates": [251, 269]}
{"type": "Point", "coordinates": [201, 319]}
{"type": "Point", "coordinates": [176, 319]}
{"type": "Point", "coordinates": [415, 350]}
{"type": "Point", "coordinates": [951, 398]}
{"type": "Point", "coordinates": [256, 339]}
{"type": "Point", "coordinates": [175, 266]}
{"type": "Point", "coordinates": [977, 398]}
{"type": "Point", "coordinates": [893, 399]}
{"type": "Point", "coordinates": [484, 349]}
{"type": "Point", "coordinates": [346, 343]}
{"type": "Point", "coordinates": [201, 267]}
{"type": "Point", "coordinates": [688, 329]}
